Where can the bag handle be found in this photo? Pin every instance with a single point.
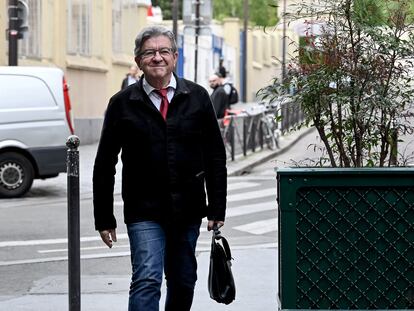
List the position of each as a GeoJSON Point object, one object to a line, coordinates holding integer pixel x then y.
{"type": "Point", "coordinates": [217, 236]}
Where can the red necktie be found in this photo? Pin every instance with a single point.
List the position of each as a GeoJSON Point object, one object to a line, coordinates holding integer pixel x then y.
{"type": "Point", "coordinates": [164, 102]}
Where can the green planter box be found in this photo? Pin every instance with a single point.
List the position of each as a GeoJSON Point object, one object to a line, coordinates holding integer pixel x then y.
{"type": "Point", "coordinates": [346, 238]}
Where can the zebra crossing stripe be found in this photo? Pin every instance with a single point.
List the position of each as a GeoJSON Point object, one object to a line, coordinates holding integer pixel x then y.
{"type": "Point", "coordinates": [250, 209]}
{"type": "Point", "coordinates": [120, 236]}
{"type": "Point", "coordinates": [259, 227]}
{"type": "Point", "coordinates": [252, 195]}
{"type": "Point", "coordinates": [241, 185]}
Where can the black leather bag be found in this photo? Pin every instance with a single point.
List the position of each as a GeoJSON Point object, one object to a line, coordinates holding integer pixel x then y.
{"type": "Point", "coordinates": [221, 284]}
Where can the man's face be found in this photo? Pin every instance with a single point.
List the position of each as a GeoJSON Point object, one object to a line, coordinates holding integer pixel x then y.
{"type": "Point", "coordinates": [157, 60]}
{"type": "Point", "coordinates": [213, 82]}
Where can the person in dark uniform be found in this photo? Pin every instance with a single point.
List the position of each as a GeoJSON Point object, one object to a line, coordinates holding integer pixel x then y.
{"type": "Point", "coordinates": [221, 69]}
{"type": "Point", "coordinates": [219, 97]}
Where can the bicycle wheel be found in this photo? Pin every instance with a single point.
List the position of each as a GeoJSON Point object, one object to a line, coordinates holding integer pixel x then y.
{"type": "Point", "coordinates": [268, 137]}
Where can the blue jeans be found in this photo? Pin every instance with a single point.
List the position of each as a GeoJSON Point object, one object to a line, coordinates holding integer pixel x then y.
{"type": "Point", "coordinates": [156, 248]}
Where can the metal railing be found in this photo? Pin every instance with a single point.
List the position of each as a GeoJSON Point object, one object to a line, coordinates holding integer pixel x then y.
{"type": "Point", "coordinates": [258, 127]}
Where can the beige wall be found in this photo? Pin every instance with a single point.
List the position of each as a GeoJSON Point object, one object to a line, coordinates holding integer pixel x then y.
{"type": "Point", "coordinates": [264, 56]}
{"type": "Point", "coordinates": [93, 79]}
{"type": "Point", "coordinates": [231, 30]}
{"type": "Point", "coordinates": [260, 69]}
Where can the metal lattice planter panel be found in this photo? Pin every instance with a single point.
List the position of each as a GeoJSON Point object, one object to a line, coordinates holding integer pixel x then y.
{"type": "Point", "coordinates": [346, 238]}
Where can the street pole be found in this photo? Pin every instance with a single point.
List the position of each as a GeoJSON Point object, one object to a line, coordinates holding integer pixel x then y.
{"type": "Point", "coordinates": [197, 33]}
{"type": "Point", "coordinates": [244, 60]}
{"type": "Point", "coordinates": [13, 32]}
{"type": "Point", "coordinates": [284, 44]}
{"type": "Point", "coordinates": [175, 23]}
{"type": "Point", "coordinates": [73, 223]}
{"type": "Point", "coordinates": [175, 18]}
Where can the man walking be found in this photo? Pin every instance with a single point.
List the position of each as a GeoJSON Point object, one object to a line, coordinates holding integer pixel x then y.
{"type": "Point", "coordinates": [219, 97]}
{"type": "Point", "coordinates": [171, 152]}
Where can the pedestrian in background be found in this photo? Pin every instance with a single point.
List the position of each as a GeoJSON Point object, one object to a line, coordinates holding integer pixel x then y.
{"type": "Point", "coordinates": [131, 77]}
{"type": "Point", "coordinates": [221, 69]}
{"type": "Point", "coordinates": [172, 151]}
{"type": "Point", "coordinates": [219, 97]}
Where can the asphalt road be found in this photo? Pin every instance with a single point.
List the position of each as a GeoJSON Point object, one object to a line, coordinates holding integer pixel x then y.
{"type": "Point", "coordinates": [33, 242]}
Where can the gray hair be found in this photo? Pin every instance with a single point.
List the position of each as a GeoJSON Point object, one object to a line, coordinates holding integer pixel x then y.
{"type": "Point", "coordinates": [150, 32]}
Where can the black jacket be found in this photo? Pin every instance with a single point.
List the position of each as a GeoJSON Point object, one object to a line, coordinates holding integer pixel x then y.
{"type": "Point", "coordinates": [220, 101]}
{"type": "Point", "coordinates": [124, 83]}
{"type": "Point", "coordinates": [165, 163]}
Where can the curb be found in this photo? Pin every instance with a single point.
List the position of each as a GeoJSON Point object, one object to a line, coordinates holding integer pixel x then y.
{"type": "Point", "coordinates": [248, 167]}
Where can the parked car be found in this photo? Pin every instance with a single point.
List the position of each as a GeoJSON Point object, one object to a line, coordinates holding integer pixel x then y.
{"type": "Point", "coordinates": [35, 122]}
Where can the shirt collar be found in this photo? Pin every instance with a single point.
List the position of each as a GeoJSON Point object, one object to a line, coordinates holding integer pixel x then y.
{"type": "Point", "coordinates": [149, 88]}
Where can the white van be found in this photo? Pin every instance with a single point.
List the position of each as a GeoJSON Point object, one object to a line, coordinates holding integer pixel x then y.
{"type": "Point", "coordinates": [35, 122]}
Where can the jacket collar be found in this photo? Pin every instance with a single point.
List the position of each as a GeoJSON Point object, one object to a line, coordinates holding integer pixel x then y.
{"type": "Point", "coordinates": [137, 92]}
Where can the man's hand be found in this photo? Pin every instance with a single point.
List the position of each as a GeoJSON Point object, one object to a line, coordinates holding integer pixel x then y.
{"type": "Point", "coordinates": [211, 223]}
{"type": "Point", "coordinates": [108, 236]}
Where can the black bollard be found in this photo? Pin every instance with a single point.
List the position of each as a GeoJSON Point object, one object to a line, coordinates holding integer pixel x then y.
{"type": "Point", "coordinates": [73, 223]}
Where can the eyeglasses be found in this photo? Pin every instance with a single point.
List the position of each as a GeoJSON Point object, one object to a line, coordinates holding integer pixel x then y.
{"type": "Point", "coordinates": [164, 52]}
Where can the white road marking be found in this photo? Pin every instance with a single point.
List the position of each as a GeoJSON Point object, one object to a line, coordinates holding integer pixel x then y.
{"type": "Point", "coordinates": [252, 195]}
{"type": "Point", "coordinates": [259, 227]}
{"type": "Point", "coordinates": [206, 248]}
{"type": "Point", "coordinates": [62, 258]}
{"type": "Point", "coordinates": [58, 250]}
{"type": "Point", "coordinates": [231, 212]}
{"type": "Point", "coordinates": [241, 185]}
{"type": "Point", "coordinates": [120, 236]}
{"type": "Point", "coordinates": [252, 177]}
{"type": "Point", "coordinates": [123, 254]}
{"type": "Point", "coordinates": [248, 209]}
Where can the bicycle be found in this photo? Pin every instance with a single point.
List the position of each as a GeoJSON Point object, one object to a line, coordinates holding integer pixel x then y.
{"type": "Point", "coordinates": [270, 131]}
{"type": "Point", "coordinates": [229, 131]}
{"type": "Point", "coordinates": [269, 125]}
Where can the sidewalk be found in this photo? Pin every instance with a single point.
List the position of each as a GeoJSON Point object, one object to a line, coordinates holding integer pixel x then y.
{"type": "Point", "coordinates": [255, 269]}
{"type": "Point", "coordinates": [243, 164]}
{"type": "Point", "coordinates": [255, 273]}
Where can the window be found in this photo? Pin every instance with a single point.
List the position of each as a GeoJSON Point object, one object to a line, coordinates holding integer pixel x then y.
{"type": "Point", "coordinates": [122, 25]}
{"type": "Point", "coordinates": [265, 50]}
{"type": "Point", "coordinates": [255, 49]}
{"type": "Point", "coordinates": [79, 24]}
{"type": "Point", "coordinates": [117, 26]}
{"type": "Point", "coordinates": [274, 46]}
{"type": "Point", "coordinates": [30, 45]}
